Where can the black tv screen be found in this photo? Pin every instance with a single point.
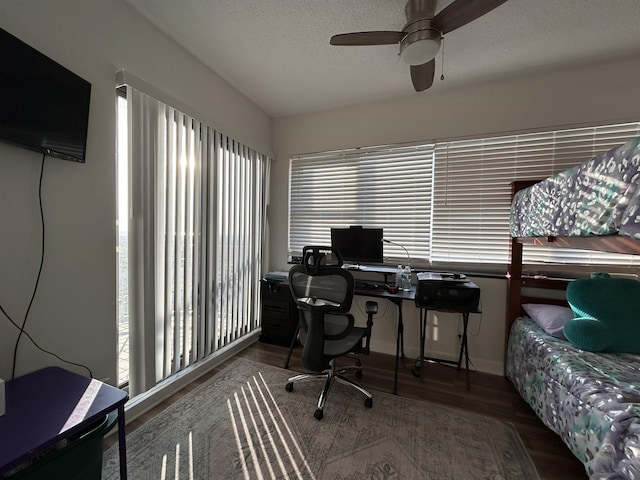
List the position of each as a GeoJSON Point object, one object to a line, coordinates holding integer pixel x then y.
{"type": "Point", "coordinates": [43, 106]}
{"type": "Point", "coordinates": [358, 244]}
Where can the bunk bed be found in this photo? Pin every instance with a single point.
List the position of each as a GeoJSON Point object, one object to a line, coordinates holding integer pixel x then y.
{"type": "Point", "coordinates": [590, 399]}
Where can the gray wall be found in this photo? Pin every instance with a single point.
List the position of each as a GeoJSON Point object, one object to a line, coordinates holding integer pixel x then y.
{"type": "Point", "coordinates": [572, 95]}
{"type": "Point", "coordinates": [74, 312]}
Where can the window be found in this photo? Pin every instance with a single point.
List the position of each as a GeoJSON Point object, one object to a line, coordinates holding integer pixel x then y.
{"type": "Point", "coordinates": [449, 206]}
{"type": "Point", "coordinates": [194, 205]}
{"type": "Point", "coordinates": [123, 240]}
{"type": "Point", "coordinates": [380, 187]}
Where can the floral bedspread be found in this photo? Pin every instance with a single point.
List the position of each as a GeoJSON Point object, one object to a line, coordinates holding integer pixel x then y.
{"type": "Point", "coordinates": [591, 400]}
{"type": "Point", "coordinates": [601, 196]}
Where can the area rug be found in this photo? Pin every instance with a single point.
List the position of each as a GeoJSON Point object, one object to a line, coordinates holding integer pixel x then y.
{"type": "Point", "coordinates": [242, 424]}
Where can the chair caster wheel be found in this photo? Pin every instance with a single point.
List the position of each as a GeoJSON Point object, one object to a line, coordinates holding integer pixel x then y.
{"type": "Point", "coordinates": [318, 414]}
{"type": "Point", "coordinates": [358, 373]}
{"type": "Point", "coordinates": [368, 402]}
{"type": "Point", "coordinates": [289, 387]}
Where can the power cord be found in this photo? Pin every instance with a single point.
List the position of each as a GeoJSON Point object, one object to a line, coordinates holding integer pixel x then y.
{"type": "Point", "coordinates": [478, 330]}
{"type": "Point", "coordinates": [42, 349]}
{"type": "Point", "coordinates": [22, 327]}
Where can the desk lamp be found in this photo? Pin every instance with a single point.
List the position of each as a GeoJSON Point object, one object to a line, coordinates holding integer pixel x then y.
{"type": "Point", "coordinates": [385, 240]}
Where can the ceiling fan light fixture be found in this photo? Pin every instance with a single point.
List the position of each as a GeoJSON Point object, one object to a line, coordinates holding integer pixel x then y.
{"type": "Point", "coordinates": [420, 38]}
{"type": "Point", "coordinates": [420, 47]}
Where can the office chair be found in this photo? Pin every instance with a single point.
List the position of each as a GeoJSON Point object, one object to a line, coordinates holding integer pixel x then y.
{"type": "Point", "coordinates": [323, 292]}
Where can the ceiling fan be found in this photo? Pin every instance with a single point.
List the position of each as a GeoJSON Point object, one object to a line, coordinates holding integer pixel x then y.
{"type": "Point", "coordinates": [420, 38]}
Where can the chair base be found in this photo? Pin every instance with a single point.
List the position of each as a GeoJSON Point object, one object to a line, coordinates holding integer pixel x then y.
{"type": "Point", "coordinates": [331, 375]}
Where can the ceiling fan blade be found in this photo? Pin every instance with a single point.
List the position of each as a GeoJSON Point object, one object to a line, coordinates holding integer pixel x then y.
{"type": "Point", "coordinates": [422, 75]}
{"type": "Point", "coordinates": [367, 38]}
{"type": "Point", "coordinates": [461, 12]}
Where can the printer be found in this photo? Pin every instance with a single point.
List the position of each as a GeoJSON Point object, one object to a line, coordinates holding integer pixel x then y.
{"type": "Point", "coordinates": [447, 291]}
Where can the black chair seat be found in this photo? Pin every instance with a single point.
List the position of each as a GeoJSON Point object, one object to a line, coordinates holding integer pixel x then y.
{"type": "Point", "coordinates": [350, 343]}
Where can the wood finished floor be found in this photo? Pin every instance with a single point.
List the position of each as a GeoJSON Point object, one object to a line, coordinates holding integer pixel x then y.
{"type": "Point", "coordinates": [489, 395]}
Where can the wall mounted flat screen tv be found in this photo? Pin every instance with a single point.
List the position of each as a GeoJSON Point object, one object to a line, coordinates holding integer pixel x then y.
{"type": "Point", "coordinates": [358, 244]}
{"type": "Point", "coordinates": [43, 106]}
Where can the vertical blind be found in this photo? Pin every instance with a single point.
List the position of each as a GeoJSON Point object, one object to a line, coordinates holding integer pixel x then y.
{"type": "Point", "coordinates": [197, 230]}
{"type": "Point", "coordinates": [462, 193]}
{"type": "Point", "coordinates": [377, 187]}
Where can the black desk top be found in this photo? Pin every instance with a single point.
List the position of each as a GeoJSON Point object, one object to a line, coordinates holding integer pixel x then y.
{"type": "Point", "coordinates": [380, 292]}
{"type": "Point", "coordinates": [366, 288]}
{"type": "Point", "coordinates": [372, 268]}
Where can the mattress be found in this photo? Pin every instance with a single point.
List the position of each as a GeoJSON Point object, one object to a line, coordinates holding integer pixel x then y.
{"type": "Point", "coordinates": [591, 400]}
{"type": "Point", "coordinates": [601, 196]}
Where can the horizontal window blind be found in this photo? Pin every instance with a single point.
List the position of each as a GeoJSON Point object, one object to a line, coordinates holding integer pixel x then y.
{"type": "Point", "coordinates": [446, 203]}
{"type": "Point", "coordinates": [472, 190]}
{"type": "Point", "coordinates": [381, 187]}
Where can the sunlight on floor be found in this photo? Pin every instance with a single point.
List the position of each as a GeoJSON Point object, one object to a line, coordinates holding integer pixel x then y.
{"type": "Point", "coordinates": [163, 471]}
{"type": "Point", "coordinates": [255, 420]}
{"type": "Point", "coordinates": [177, 464]}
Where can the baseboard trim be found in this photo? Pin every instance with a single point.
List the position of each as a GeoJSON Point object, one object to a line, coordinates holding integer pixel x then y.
{"type": "Point", "coordinates": [144, 402]}
{"type": "Point", "coordinates": [413, 352]}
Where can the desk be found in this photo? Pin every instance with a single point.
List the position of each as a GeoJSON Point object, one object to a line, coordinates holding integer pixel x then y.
{"type": "Point", "coordinates": [49, 405]}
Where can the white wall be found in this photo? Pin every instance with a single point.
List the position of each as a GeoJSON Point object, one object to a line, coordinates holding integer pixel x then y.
{"type": "Point", "coordinates": [74, 312]}
{"type": "Point", "coordinates": [575, 94]}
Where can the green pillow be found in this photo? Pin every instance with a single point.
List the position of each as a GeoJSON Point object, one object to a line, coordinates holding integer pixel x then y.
{"type": "Point", "coordinates": [588, 334]}
{"type": "Point", "coordinates": [607, 313]}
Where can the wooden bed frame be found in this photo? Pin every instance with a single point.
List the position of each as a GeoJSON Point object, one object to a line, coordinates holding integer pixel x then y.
{"type": "Point", "coordinates": [516, 281]}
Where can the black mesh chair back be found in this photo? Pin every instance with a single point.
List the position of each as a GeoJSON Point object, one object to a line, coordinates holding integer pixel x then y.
{"type": "Point", "coordinates": [320, 287]}
{"type": "Point", "coordinates": [321, 282]}
{"type": "Point", "coordinates": [323, 292]}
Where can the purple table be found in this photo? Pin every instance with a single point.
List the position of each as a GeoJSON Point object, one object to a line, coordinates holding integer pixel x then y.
{"type": "Point", "coordinates": [51, 404]}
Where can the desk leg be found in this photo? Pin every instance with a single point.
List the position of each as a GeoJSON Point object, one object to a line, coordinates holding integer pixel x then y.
{"type": "Point", "coordinates": [423, 336]}
{"type": "Point", "coordinates": [399, 338]}
{"type": "Point", "coordinates": [293, 344]}
{"type": "Point", "coordinates": [399, 341]}
{"type": "Point", "coordinates": [464, 348]}
{"type": "Point", "coordinates": [401, 334]}
{"type": "Point", "coordinates": [122, 446]}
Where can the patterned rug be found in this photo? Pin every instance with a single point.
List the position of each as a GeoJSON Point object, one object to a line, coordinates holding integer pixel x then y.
{"type": "Point", "coordinates": [243, 424]}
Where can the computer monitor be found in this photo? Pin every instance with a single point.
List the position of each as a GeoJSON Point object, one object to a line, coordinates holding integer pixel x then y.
{"type": "Point", "coordinates": [358, 244]}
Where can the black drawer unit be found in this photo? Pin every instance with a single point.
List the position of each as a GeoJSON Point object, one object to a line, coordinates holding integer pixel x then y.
{"type": "Point", "coordinates": [279, 313]}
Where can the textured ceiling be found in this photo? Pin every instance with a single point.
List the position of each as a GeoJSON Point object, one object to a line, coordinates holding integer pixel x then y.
{"type": "Point", "coordinates": [277, 52]}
